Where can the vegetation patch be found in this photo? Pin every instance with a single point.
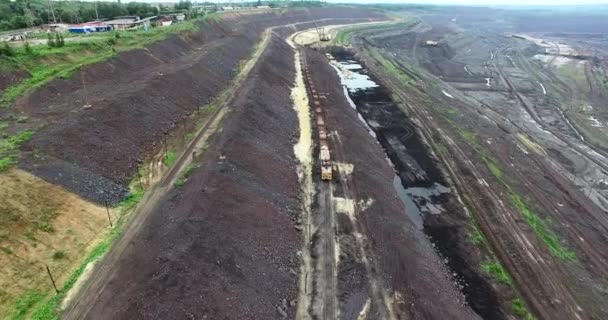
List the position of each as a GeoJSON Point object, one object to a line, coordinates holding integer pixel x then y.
{"type": "Point", "coordinates": [531, 145]}
{"type": "Point", "coordinates": [45, 63]}
{"type": "Point", "coordinates": [540, 228]}
{"type": "Point", "coordinates": [493, 167]}
{"type": "Point", "coordinates": [493, 268]}
{"type": "Point", "coordinates": [169, 158]}
{"type": "Point", "coordinates": [390, 67]}
{"type": "Point", "coordinates": [183, 176]}
{"type": "Point", "coordinates": [9, 148]}
{"type": "Point", "coordinates": [23, 305]}
{"type": "Point", "coordinates": [519, 309]}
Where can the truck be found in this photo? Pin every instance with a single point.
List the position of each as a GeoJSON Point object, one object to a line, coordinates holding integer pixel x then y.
{"type": "Point", "coordinates": [326, 166]}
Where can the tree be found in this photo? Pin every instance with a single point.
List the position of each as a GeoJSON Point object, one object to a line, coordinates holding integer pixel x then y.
{"type": "Point", "coordinates": [183, 5]}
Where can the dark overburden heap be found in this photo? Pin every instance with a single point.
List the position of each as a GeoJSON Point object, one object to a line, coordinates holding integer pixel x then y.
{"type": "Point", "coordinates": [138, 97]}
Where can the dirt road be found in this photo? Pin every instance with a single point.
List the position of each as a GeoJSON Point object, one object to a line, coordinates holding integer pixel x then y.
{"type": "Point", "coordinates": [102, 281]}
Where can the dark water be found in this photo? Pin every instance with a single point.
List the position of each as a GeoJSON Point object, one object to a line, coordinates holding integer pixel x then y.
{"type": "Point", "coordinates": [418, 182]}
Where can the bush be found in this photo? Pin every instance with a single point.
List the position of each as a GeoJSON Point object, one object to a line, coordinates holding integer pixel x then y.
{"type": "Point", "coordinates": [27, 48]}
{"type": "Point", "coordinates": [6, 50]}
{"type": "Point", "coordinates": [50, 40]}
{"type": "Point", "coordinates": [58, 255]}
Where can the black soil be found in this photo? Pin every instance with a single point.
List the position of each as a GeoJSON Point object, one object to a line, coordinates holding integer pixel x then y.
{"type": "Point", "coordinates": [139, 97]}
{"type": "Point", "coordinates": [223, 246]}
{"type": "Point", "coordinates": [417, 168]}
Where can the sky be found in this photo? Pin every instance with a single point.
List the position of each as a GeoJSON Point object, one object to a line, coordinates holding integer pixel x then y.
{"type": "Point", "coordinates": [485, 2]}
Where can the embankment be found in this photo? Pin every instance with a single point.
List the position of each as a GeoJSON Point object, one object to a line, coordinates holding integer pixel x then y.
{"type": "Point", "coordinates": [223, 246]}
{"type": "Point", "coordinates": [96, 128]}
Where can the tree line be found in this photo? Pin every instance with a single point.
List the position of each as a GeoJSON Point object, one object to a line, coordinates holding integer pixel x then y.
{"type": "Point", "coordinates": [30, 13]}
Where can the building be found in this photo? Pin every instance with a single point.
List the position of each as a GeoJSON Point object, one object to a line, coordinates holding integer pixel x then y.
{"type": "Point", "coordinates": [124, 22]}
{"type": "Point", "coordinates": [431, 43]}
{"type": "Point", "coordinates": [178, 17]}
{"type": "Point", "coordinates": [164, 21]}
{"type": "Point", "coordinates": [129, 22]}
{"type": "Point", "coordinates": [55, 27]}
{"type": "Point", "coordinates": [88, 27]}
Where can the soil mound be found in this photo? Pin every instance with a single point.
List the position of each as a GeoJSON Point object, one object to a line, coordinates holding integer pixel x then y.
{"type": "Point", "coordinates": [91, 138]}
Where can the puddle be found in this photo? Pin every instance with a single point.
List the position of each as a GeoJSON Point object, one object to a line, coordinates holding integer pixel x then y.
{"type": "Point", "coordinates": [412, 210]}
{"type": "Point", "coordinates": [416, 182]}
{"type": "Point", "coordinates": [419, 184]}
{"type": "Point", "coordinates": [352, 79]}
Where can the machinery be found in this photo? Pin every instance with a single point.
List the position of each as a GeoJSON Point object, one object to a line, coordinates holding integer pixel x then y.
{"type": "Point", "coordinates": [326, 170]}
{"type": "Point", "coordinates": [323, 35]}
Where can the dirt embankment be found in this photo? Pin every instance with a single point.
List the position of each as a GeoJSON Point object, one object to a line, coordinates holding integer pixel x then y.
{"type": "Point", "coordinates": [223, 246]}
{"type": "Point", "coordinates": [93, 130]}
{"type": "Point", "coordinates": [9, 78]}
{"type": "Point", "coordinates": [513, 189]}
{"type": "Point", "coordinates": [381, 251]}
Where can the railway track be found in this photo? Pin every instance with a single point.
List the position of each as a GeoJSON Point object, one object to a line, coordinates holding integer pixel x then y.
{"type": "Point", "coordinates": [326, 274]}
{"type": "Point", "coordinates": [512, 248]}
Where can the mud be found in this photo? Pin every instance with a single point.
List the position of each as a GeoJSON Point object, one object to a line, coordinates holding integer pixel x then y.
{"type": "Point", "coordinates": [548, 171]}
{"type": "Point", "coordinates": [383, 255]}
{"type": "Point", "coordinates": [429, 203]}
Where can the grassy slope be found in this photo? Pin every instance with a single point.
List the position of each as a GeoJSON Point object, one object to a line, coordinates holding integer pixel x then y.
{"type": "Point", "coordinates": [44, 64]}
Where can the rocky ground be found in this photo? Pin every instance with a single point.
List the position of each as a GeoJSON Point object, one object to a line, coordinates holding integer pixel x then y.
{"type": "Point", "coordinates": [93, 130]}
{"type": "Point", "coordinates": [223, 246]}
{"type": "Point", "coordinates": [477, 94]}
{"type": "Point", "coordinates": [383, 257]}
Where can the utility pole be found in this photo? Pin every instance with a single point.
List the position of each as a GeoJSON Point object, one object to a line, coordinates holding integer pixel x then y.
{"type": "Point", "coordinates": [96, 12]}
{"type": "Point", "coordinates": [108, 212]}
{"type": "Point", "coordinates": [51, 277]}
{"type": "Point", "coordinates": [52, 11]}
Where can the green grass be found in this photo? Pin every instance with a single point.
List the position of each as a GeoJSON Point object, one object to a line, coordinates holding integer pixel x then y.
{"type": "Point", "coordinates": [6, 162]}
{"type": "Point", "coordinates": [540, 228]}
{"type": "Point", "coordinates": [169, 158]}
{"type": "Point", "coordinates": [476, 237]}
{"type": "Point", "coordinates": [390, 67]}
{"type": "Point", "coordinates": [493, 268]}
{"type": "Point", "coordinates": [468, 136]}
{"type": "Point", "coordinates": [343, 37]}
{"type": "Point", "coordinates": [47, 310]}
{"type": "Point", "coordinates": [183, 177]}
{"type": "Point", "coordinates": [9, 148]}
{"type": "Point", "coordinates": [44, 64]}
{"type": "Point", "coordinates": [132, 199]}
{"type": "Point", "coordinates": [519, 309]}
{"type": "Point", "coordinates": [451, 112]}
{"type": "Point", "coordinates": [23, 305]}
{"type": "Point", "coordinates": [13, 142]}
{"type": "Point", "coordinates": [493, 167]}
